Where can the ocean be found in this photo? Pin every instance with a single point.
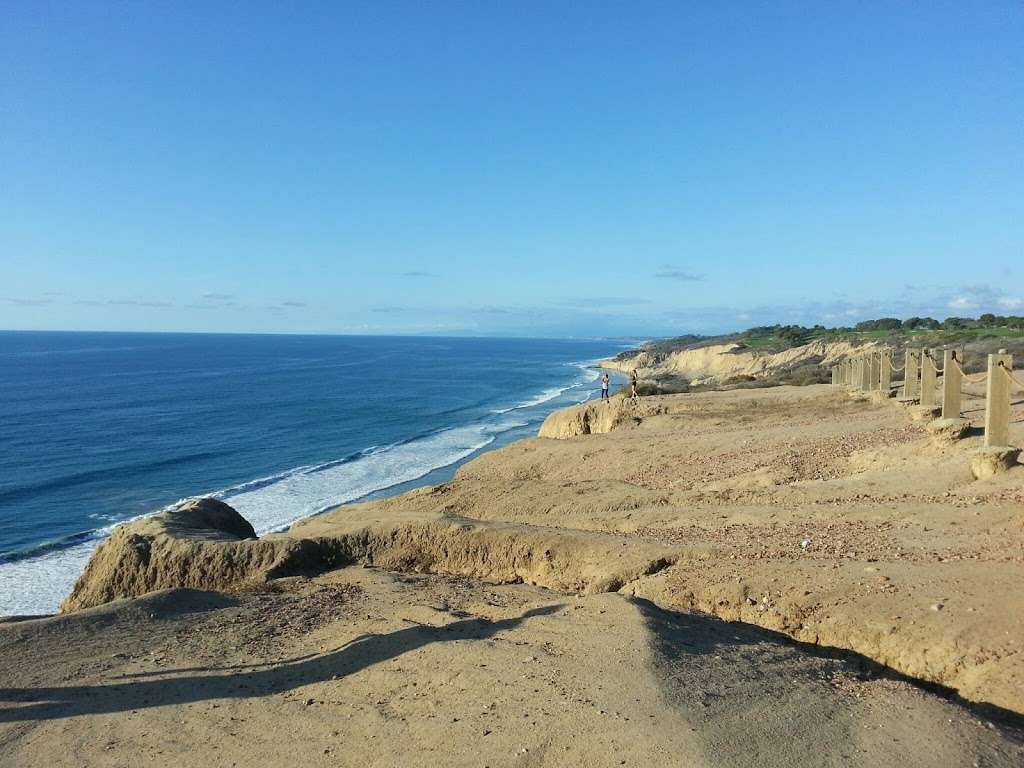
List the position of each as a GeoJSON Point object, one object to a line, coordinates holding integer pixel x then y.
{"type": "Point", "coordinates": [99, 428]}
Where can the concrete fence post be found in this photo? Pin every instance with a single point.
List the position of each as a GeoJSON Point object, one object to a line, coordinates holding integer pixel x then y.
{"type": "Point", "coordinates": [874, 361]}
{"type": "Point", "coordinates": [911, 385]}
{"type": "Point", "coordinates": [952, 380]}
{"type": "Point", "coordinates": [885, 372]}
{"type": "Point", "coordinates": [928, 378]}
{"type": "Point", "coordinates": [997, 400]}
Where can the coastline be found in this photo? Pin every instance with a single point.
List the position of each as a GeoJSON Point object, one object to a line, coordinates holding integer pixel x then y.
{"type": "Point", "coordinates": [669, 527]}
{"type": "Point", "coordinates": [716, 363]}
{"type": "Point", "coordinates": [53, 567]}
{"type": "Point", "coordinates": [632, 554]}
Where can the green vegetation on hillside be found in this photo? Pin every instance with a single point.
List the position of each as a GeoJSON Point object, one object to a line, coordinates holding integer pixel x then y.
{"type": "Point", "coordinates": [923, 331]}
{"type": "Point", "coordinates": [919, 330]}
{"type": "Point", "coordinates": [976, 337]}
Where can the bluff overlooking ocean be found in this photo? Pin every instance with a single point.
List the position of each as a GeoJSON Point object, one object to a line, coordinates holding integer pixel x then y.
{"type": "Point", "coordinates": [99, 428]}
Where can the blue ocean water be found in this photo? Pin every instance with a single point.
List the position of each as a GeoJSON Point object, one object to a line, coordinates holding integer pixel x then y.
{"type": "Point", "coordinates": [99, 428]}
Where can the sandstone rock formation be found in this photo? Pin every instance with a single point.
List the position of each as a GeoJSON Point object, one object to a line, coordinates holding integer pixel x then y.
{"type": "Point", "coordinates": [203, 544]}
{"type": "Point", "coordinates": [989, 462]}
{"type": "Point", "coordinates": [196, 546]}
{"type": "Point", "coordinates": [717, 362]}
{"type": "Point", "coordinates": [926, 413]}
{"type": "Point", "coordinates": [591, 418]}
{"type": "Point", "coordinates": [948, 430]}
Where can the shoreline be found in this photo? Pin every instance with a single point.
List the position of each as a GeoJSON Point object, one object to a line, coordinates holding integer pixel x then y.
{"type": "Point", "coordinates": [644, 575]}
{"type": "Point", "coordinates": [772, 506]}
{"type": "Point", "coordinates": [63, 564]}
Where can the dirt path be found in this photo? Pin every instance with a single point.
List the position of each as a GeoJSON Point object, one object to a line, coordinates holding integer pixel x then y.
{"type": "Point", "coordinates": [366, 668]}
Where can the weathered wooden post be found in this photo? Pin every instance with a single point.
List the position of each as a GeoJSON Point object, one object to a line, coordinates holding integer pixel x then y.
{"type": "Point", "coordinates": [911, 385]}
{"type": "Point", "coordinates": [834, 376]}
{"type": "Point", "coordinates": [865, 373]}
{"type": "Point", "coordinates": [952, 380]}
{"type": "Point", "coordinates": [928, 378]}
{"type": "Point", "coordinates": [874, 361]}
{"type": "Point", "coordinates": [997, 399]}
{"type": "Point", "coordinates": [885, 372]}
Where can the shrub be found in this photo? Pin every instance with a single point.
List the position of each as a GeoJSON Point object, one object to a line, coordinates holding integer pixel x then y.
{"type": "Point", "coordinates": [883, 324]}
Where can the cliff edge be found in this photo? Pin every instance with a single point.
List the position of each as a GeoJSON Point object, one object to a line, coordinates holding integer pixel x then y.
{"type": "Point", "coordinates": [715, 363]}
{"type": "Point", "coordinates": [207, 545]}
{"type": "Point", "coordinates": [592, 418]}
{"type": "Point", "coordinates": [202, 544]}
{"type": "Point", "coordinates": [834, 520]}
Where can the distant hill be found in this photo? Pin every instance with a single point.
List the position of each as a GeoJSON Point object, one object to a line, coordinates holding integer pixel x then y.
{"type": "Point", "coordinates": [794, 354]}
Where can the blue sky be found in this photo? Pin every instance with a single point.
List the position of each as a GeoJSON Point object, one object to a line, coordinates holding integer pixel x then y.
{"type": "Point", "coordinates": [534, 168]}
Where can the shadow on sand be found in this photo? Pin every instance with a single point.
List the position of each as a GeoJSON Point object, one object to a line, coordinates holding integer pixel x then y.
{"type": "Point", "coordinates": [229, 682]}
{"type": "Point", "coordinates": [743, 657]}
{"type": "Point", "coordinates": [707, 666]}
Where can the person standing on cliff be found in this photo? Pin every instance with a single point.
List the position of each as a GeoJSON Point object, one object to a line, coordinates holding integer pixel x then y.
{"type": "Point", "coordinates": [634, 395]}
{"type": "Point", "coordinates": [604, 386]}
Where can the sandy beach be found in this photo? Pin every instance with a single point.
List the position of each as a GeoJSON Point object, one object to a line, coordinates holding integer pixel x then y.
{"type": "Point", "coordinates": [786, 576]}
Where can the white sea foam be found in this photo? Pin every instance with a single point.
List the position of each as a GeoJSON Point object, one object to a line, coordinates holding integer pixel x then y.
{"type": "Point", "coordinates": [590, 371]}
{"type": "Point", "coordinates": [588, 374]}
{"type": "Point", "coordinates": [309, 490]}
{"type": "Point", "coordinates": [37, 584]}
{"type": "Point", "coordinates": [544, 397]}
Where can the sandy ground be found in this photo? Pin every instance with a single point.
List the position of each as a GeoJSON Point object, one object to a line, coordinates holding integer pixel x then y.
{"type": "Point", "coordinates": [795, 514]}
{"type": "Point", "coordinates": [365, 668]}
{"type": "Point", "coordinates": [836, 520]}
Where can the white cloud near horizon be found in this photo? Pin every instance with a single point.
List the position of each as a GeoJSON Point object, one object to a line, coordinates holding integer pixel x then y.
{"type": "Point", "coordinates": [26, 302]}
{"type": "Point", "coordinates": [602, 315]}
{"type": "Point", "coordinates": [679, 274]}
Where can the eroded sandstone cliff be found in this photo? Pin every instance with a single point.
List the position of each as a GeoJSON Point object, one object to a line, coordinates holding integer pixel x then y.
{"type": "Point", "coordinates": [718, 362]}
{"type": "Point", "coordinates": [197, 545]}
